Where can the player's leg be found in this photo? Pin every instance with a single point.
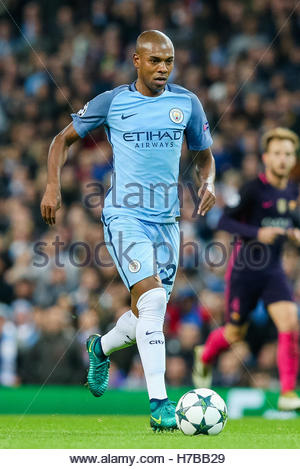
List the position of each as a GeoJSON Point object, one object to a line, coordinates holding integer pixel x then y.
{"type": "Point", "coordinates": [278, 300]}
{"type": "Point", "coordinates": [285, 317]}
{"type": "Point", "coordinates": [240, 300]}
{"type": "Point", "coordinates": [100, 347]}
{"type": "Point", "coordinates": [119, 236]}
{"type": "Point", "coordinates": [149, 298]}
{"type": "Point", "coordinates": [205, 355]}
{"type": "Point", "coordinates": [122, 335]}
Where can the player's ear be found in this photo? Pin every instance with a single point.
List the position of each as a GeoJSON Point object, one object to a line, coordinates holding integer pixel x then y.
{"type": "Point", "coordinates": [136, 60]}
{"type": "Point", "coordinates": [295, 160]}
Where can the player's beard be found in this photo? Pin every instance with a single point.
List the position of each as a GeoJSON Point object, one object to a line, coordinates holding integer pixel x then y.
{"type": "Point", "coordinates": [156, 88]}
{"type": "Point", "coordinates": [280, 175]}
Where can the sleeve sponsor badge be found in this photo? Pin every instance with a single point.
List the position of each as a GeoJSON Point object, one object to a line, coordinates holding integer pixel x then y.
{"type": "Point", "coordinates": [82, 111]}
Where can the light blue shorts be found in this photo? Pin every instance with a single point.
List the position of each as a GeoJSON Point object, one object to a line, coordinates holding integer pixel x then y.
{"type": "Point", "coordinates": [141, 249]}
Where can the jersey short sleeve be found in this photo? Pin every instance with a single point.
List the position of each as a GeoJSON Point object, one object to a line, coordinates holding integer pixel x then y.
{"type": "Point", "coordinates": [95, 112]}
{"type": "Point", "coordinates": [197, 131]}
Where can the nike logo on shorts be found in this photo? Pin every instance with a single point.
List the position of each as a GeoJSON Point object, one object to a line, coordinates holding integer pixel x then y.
{"type": "Point", "coordinates": [152, 332]}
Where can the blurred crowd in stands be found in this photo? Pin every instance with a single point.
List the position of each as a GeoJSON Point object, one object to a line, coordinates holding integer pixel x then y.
{"type": "Point", "coordinates": [242, 58]}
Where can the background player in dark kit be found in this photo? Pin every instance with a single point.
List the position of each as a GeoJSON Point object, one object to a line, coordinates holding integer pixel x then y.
{"type": "Point", "coordinates": [263, 218]}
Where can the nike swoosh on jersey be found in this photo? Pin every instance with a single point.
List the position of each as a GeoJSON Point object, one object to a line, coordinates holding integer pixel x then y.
{"type": "Point", "coordinates": [152, 332]}
{"type": "Point", "coordinates": [157, 420]}
{"type": "Point", "coordinates": [129, 115]}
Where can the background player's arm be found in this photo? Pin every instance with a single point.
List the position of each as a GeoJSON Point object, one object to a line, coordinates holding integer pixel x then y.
{"type": "Point", "coordinates": [293, 233]}
{"type": "Point", "coordinates": [57, 157]}
{"type": "Point", "coordinates": [231, 220]}
{"type": "Point", "coordinates": [205, 170]}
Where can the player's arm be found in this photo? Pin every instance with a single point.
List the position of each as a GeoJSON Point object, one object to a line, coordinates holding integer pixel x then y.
{"type": "Point", "coordinates": [230, 222]}
{"type": "Point", "coordinates": [91, 116]}
{"type": "Point", "coordinates": [57, 157]}
{"type": "Point", "coordinates": [206, 171]}
{"type": "Point", "coordinates": [293, 233]}
{"type": "Point", "coordinates": [231, 219]}
{"type": "Point", "coordinates": [199, 141]}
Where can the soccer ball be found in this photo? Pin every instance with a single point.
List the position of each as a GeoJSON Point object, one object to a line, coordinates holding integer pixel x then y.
{"type": "Point", "coordinates": [201, 411]}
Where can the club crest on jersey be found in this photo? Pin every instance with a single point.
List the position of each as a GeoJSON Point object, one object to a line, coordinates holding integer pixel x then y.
{"type": "Point", "coordinates": [281, 205]}
{"type": "Point", "coordinates": [134, 266]}
{"type": "Point", "coordinates": [176, 115]}
{"type": "Point", "coordinates": [82, 111]}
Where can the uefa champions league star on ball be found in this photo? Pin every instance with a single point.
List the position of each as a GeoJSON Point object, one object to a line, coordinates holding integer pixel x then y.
{"type": "Point", "coordinates": [145, 123]}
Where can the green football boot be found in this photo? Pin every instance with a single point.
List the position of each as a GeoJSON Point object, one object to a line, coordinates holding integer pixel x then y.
{"type": "Point", "coordinates": [163, 416]}
{"type": "Point", "coordinates": [98, 374]}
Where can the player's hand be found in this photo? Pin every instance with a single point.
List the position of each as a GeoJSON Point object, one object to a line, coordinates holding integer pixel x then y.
{"type": "Point", "coordinates": [51, 202]}
{"type": "Point", "coordinates": [293, 235]}
{"type": "Point", "coordinates": [268, 234]}
{"type": "Point", "coordinates": [206, 194]}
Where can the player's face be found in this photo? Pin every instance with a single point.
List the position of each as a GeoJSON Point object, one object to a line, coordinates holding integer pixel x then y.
{"type": "Point", "coordinates": [154, 66]}
{"type": "Point", "coordinates": [280, 157]}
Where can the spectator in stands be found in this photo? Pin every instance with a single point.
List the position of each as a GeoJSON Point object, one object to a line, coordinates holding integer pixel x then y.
{"type": "Point", "coordinates": [226, 54]}
{"type": "Point", "coordinates": [56, 357]}
{"type": "Point", "coordinates": [8, 348]}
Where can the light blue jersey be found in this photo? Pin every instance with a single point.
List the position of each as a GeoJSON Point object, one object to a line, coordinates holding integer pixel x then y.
{"type": "Point", "coordinates": [146, 134]}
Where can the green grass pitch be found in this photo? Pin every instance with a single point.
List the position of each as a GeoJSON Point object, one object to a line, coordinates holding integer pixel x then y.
{"type": "Point", "coordinates": [62, 431]}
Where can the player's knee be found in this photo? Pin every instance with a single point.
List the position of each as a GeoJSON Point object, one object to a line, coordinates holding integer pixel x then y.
{"type": "Point", "coordinates": [293, 316]}
{"type": "Point", "coordinates": [142, 287]}
{"type": "Point", "coordinates": [285, 316]}
{"type": "Point", "coordinates": [126, 324]}
{"type": "Point", "coordinates": [291, 322]}
{"type": "Point", "coordinates": [286, 320]}
{"type": "Point", "coordinates": [152, 304]}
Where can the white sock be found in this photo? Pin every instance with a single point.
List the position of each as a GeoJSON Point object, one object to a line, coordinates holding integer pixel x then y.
{"type": "Point", "coordinates": [122, 335]}
{"type": "Point", "coordinates": [151, 341]}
